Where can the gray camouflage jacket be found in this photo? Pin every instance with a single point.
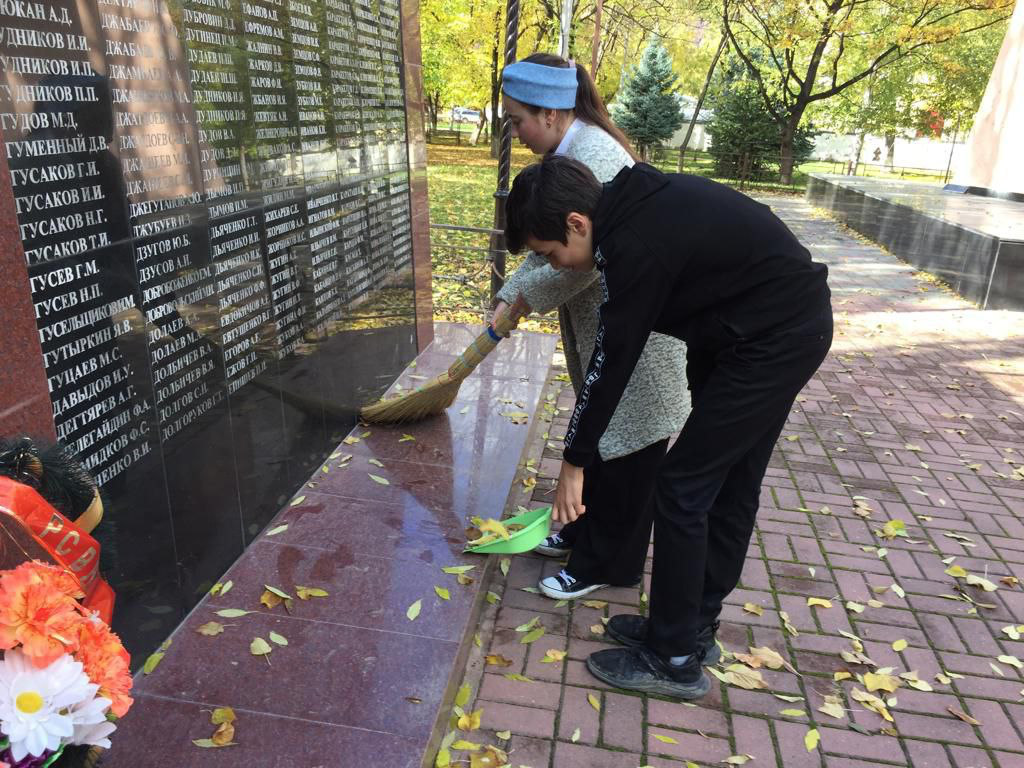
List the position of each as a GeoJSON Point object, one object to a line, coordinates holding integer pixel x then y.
{"type": "Point", "coordinates": [656, 401]}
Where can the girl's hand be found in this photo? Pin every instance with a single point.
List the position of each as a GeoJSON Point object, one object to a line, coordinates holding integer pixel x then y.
{"type": "Point", "coordinates": [569, 494]}
{"type": "Point", "coordinates": [499, 309]}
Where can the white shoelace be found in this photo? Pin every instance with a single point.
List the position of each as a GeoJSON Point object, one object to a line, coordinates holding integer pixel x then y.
{"type": "Point", "coordinates": [566, 579]}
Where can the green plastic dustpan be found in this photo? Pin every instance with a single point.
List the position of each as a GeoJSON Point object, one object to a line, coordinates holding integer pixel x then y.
{"type": "Point", "coordinates": [536, 527]}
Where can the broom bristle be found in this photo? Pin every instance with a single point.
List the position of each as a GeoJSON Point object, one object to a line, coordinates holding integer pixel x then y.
{"type": "Point", "coordinates": [429, 400]}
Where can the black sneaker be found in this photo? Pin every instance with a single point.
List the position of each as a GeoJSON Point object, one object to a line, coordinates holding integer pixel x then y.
{"type": "Point", "coordinates": [553, 546]}
{"type": "Point", "coordinates": [631, 629]}
{"type": "Point", "coordinates": [565, 587]}
{"type": "Point", "coordinates": [640, 669]}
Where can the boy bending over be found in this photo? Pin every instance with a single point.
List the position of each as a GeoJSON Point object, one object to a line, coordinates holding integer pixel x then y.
{"type": "Point", "coordinates": [689, 258]}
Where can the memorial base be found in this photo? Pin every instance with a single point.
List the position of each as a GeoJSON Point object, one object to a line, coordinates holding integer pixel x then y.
{"type": "Point", "coordinates": [974, 243]}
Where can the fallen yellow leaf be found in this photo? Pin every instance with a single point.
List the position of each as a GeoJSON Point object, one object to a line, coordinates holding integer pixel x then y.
{"type": "Point", "coordinates": [457, 569]}
{"type": "Point", "coordinates": [811, 739]}
{"type": "Point", "coordinates": [818, 602]}
{"type": "Point", "coordinates": [259, 647]}
{"type": "Point", "coordinates": [594, 701]}
{"type": "Point", "coordinates": [495, 527]}
{"type": "Point", "coordinates": [770, 658]}
{"type": "Point", "coordinates": [151, 662]}
{"type": "Point", "coordinates": [977, 581]}
{"type": "Point", "coordinates": [208, 743]}
{"type": "Point", "coordinates": [232, 613]}
{"type": "Point", "coordinates": [880, 682]}
{"type": "Point", "coordinates": [665, 739]}
{"type": "Point", "coordinates": [471, 721]}
{"type": "Point", "coordinates": [224, 735]}
{"type": "Point", "coordinates": [531, 636]}
{"type": "Point", "coordinates": [210, 628]}
{"type": "Point", "coordinates": [963, 716]}
{"type": "Point", "coordinates": [414, 610]}
{"type": "Point", "coordinates": [753, 608]}
{"type": "Point", "coordinates": [899, 645]}
{"type": "Point", "coordinates": [833, 707]}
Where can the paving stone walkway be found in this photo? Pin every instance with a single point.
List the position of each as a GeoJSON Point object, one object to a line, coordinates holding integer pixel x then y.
{"type": "Point", "coordinates": [916, 417]}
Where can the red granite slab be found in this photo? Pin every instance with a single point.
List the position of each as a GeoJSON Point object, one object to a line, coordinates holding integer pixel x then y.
{"type": "Point", "coordinates": [260, 740]}
{"type": "Point", "coordinates": [364, 590]}
{"type": "Point", "coordinates": [24, 394]}
{"type": "Point", "coordinates": [356, 671]}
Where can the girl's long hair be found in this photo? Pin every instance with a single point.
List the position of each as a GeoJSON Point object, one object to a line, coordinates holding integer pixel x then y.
{"type": "Point", "coordinates": [589, 107]}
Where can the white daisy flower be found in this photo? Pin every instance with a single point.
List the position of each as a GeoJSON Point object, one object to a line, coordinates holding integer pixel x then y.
{"type": "Point", "coordinates": [34, 702]}
{"type": "Point", "coordinates": [89, 719]}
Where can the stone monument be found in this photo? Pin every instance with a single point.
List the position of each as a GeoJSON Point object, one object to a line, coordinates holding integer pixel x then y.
{"type": "Point", "coordinates": [213, 243]}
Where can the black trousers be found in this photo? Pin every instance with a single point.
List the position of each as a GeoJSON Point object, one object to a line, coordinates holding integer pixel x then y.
{"type": "Point", "coordinates": [610, 541]}
{"type": "Point", "coordinates": [708, 488]}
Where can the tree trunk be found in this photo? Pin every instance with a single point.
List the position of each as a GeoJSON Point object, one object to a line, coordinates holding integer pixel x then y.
{"type": "Point", "coordinates": [786, 137]}
{"type": "Point", "coordinates": [890, 149]}
{"type": "Point", "coordinates": [860, 148]}
{"type": "Point", "coordinates": [786, 155]}
{"type": "Point", "coordinates": [433, 107]}
{"type": "Point", "coordinates": [700, 103]}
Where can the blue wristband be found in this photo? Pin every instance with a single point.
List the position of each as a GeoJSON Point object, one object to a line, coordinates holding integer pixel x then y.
{"type": "Point", "coordinates": [493, 335]}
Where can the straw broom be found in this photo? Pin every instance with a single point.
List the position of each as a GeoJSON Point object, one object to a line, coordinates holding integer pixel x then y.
{"type": "Point", "coordinates": [437, 394]}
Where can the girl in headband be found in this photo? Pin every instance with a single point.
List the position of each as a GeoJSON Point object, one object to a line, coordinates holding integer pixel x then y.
{"type": "Point", "coordinates": [554, 108]}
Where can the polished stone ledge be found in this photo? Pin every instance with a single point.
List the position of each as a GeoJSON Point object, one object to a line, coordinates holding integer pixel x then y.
{"type": "Point", "coordinates": [358, 682]}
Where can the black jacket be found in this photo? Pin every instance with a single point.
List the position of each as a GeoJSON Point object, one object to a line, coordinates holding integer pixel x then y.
{"type": "Point", "coordinates": [687, 257]}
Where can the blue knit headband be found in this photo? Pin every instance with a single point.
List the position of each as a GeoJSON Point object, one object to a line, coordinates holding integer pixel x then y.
{"type": "Point", "coordinates": [540, 86]}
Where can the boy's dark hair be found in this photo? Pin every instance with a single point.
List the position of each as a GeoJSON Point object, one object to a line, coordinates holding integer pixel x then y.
{"type": "Point", "coordinates": [542, 197]}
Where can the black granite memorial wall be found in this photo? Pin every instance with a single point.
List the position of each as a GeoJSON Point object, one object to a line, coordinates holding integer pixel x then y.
{"type": "Point", "coordinates": [213, 200]}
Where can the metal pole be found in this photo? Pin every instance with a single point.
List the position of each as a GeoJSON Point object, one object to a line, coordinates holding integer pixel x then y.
{"type": "Point", "coordinates": [497, 245]}
{"type": "Point", "coordinates": [565, 25]}
{"type": "Point", "coordinates": [597, 39]}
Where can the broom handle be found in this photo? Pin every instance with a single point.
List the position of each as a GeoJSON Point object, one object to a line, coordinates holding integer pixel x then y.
{"type": "Point", "coordinates": [488, 340]}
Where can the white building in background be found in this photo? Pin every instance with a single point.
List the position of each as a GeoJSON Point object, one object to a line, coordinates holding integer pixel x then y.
{"type": "Point", "coordinates": [921, 153]}
{"type": "Point", "coordinates": [700, 139]}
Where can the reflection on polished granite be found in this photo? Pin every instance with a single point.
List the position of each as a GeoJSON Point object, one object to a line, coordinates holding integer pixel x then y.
{"type": "Point", "coordinates": [974, 243]}
{"type": "Point", "coordinates": [358, 682]}
{"type": "Point", "coordinates": [187, 512]}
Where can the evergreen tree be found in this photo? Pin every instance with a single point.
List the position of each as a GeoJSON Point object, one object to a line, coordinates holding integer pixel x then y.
{"type": "Point", "coordinates": [745, 136]}
{"type": "Point", "coordinates": [647, 110]}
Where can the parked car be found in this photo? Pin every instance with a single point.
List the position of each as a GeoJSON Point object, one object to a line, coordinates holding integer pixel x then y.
{"type": "Point", "coordinates": [465, 115]}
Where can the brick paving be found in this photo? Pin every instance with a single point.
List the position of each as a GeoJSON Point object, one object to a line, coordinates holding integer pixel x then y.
{"type": "Point", "coordinates": [916, 416]}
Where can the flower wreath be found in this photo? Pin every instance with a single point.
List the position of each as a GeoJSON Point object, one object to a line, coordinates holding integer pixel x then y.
{"type": "Point", "coordinates": [64, 675]}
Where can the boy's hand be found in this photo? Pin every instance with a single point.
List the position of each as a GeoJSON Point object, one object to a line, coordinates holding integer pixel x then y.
{"type": "Point", "coordinates": [569, 495]}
